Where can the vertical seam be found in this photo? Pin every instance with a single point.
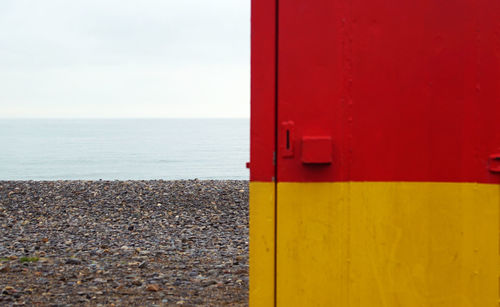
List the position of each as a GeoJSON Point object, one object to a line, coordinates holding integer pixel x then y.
{"type": "Point", "coordinates": [276, 109]}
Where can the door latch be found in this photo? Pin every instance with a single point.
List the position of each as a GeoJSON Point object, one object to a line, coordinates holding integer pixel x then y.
{"type": "Point", "coordinates": [287, 138]}
{"type": "Point", "coordinates": [494, 163]}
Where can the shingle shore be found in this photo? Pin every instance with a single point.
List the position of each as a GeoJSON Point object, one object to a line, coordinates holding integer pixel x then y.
{"type": "Point", "coordinates": [139, 243]}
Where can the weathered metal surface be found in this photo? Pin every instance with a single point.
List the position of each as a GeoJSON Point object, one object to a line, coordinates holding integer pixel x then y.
{"type": "Point", "coordinates": [400, 207]}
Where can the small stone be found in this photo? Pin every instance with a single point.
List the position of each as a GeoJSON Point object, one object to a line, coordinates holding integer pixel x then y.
{"type": "Point", "coordinates": [73, 261]}
{"type": "Point", "coordinates": [136, 282]}
{"type": "Point", "coordinates": [131, 227]}
{"type": "Point", "coordinates": [153, 288]}
{"type": "Point", "coordinates": [8, 290]}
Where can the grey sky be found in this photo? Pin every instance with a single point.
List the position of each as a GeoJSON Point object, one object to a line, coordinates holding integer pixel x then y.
{"type": "Point", "coordinates": [118, 58]}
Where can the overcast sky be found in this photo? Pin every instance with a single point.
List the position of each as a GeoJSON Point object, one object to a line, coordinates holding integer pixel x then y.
{"type": "Point", "coordinates": [119, 58]}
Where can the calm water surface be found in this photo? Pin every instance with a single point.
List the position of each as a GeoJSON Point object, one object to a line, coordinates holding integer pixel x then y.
{"type": "Point", "coordinates": [124, 149]}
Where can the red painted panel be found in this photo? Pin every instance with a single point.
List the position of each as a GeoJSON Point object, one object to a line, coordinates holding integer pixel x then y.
{"type": "Point", "coordinates": [407, 90]}
{"type": "Point", "coordinates": [263, 90]}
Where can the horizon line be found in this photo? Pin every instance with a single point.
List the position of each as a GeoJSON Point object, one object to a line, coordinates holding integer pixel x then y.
{"type": "Point", "coordinates": [66, 118]}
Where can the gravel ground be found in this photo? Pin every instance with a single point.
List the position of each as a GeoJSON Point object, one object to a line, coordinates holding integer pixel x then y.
{"type": "Point", "coordinates": [119, 243]}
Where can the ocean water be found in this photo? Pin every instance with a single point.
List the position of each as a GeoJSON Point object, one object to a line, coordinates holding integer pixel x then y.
{"type": "Point", "coordinates": [123, 149]}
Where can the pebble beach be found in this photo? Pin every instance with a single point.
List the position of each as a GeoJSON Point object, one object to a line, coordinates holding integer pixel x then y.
{"type": "Point", "coordinates": [124, 243]}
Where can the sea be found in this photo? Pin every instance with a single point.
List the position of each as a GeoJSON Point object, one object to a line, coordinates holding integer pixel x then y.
{"type": "Point", "coordinates": [124, 149]}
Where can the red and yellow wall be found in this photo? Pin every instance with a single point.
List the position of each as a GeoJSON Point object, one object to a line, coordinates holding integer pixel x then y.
{"type": "Point", "coordinates": [375, 137]}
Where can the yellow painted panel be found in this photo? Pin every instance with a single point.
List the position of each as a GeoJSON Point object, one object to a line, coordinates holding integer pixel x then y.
{"type": "Point", "coordinates": [388, 244]}
{"type": "Point", "coordinates": [262, 228]}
